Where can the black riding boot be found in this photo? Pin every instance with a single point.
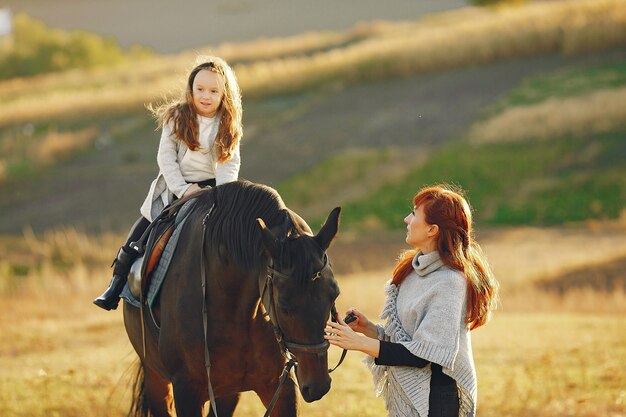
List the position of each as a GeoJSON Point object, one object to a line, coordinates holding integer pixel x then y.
{"type": "Point", "coordinates": [111, 297]}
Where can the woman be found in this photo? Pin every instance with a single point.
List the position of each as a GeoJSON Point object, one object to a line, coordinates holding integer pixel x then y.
{"type": "Point", "coordinates": [422, 359]}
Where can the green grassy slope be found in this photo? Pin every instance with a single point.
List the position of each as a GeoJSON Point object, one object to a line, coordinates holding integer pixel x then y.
{"type": "Point", "coordinates": [567, 82]}
{"type": "Point", "coordinates": [543, 182]}
{"type": "Point", "coordinates": [563, 180]}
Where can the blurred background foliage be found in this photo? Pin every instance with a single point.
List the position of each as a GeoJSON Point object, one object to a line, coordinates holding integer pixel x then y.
{"type": "Point", "coordinates": [495, 2]}
{"type": "Point", "coordinates": [33, 48]}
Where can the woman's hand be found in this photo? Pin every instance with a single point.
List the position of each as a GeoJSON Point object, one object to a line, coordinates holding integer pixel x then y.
{"type": "Point", "coordinates": [362, 323]}
{"type": "Point", "coordinates": [193, 188]}
{"type": "Point", "coordinates": [340, 334]}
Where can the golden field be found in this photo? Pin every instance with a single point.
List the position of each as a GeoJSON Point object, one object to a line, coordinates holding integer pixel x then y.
{"type": "Point", "coordinates": [543, 354]}
{"type": "Point", "coordinates": [596, 112]}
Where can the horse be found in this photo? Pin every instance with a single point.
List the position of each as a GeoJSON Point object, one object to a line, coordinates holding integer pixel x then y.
{"type": "Point", "coordinates": [267, 290]}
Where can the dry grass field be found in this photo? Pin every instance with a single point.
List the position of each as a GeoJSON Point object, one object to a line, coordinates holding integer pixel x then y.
{"type": "Point", "coordinates": [555, 347]}
{"type": "Point", "coordinates": [543, 354]}
{"type": "Point", "coordinates": [459, 38]}
{"type": "Point", "coordinates": [600, 111]}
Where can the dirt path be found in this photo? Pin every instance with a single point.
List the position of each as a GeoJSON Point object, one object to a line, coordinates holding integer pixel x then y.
{"type": "Point", "coordinates": [287, 134]}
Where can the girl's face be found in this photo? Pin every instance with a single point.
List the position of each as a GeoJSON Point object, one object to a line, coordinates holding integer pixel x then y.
{"type": "Point", "coordinates": [420, 234]}
{"type": "Point", "coordinates": [207, 92]}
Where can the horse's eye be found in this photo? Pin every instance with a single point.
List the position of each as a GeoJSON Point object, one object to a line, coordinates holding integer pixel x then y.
{"type": "Point", "coordinates": [285, 305]}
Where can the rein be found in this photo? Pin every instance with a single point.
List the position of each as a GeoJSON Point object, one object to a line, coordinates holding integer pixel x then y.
{"type": "Point", "coordinates": [205, 315]}
{"type": "Point", "coordinates": [286, 346]}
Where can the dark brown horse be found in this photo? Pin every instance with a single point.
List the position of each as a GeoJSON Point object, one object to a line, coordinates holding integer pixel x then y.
{"type": "Point", "coordinates": [239, 255]}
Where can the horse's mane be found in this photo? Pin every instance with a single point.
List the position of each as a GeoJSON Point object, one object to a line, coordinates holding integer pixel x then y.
{"type": "Point", "coordinates": [233, 233]}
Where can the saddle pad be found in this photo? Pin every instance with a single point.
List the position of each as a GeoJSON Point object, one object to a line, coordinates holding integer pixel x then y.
{"type": "Point", "coordinates": [158, 275]}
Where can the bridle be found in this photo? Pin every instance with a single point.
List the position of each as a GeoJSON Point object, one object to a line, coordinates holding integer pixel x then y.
{"type": "Point", "coordinates": [289, 348]}
{"type": "Point", "coordinates": [269, 311]}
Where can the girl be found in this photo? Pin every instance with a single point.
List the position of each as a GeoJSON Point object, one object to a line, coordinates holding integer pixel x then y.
{"type": "Point", "coordinates": [422, 359]}
{"type": "Point", "coordinates": [199, 147]}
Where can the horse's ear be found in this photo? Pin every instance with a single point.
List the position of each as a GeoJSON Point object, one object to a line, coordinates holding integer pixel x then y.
{"type": "Point", "coordinates": [329, 230]}
{"type": "Point", "coordinates": [270, 242]}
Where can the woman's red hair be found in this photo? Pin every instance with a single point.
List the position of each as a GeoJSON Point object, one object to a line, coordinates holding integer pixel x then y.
{"type": "Point", "coordinates": [450, 211]}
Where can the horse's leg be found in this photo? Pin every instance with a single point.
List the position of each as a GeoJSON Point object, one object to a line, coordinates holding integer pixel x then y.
{"type": "Point", "coordinates": [158, 394]}
{"type": "Point", "coordinates": [287, 403]}
{"type": "Point", "coordinates": [150, 390]}
{"type": "Point", "coordinates": [225, 406]}
{"type": "Point", "coordinates": [187, 399]}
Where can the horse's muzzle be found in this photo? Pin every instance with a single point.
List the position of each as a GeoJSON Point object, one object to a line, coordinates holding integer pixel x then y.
{"type": "Point", "coordinates": [312, 374]}
{"type": "Point", "coordinates": [315, 391]}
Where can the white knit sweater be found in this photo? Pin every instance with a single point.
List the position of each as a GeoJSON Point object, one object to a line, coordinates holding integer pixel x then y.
{"type": "Point", "coordinates": [202, 164]}
{"type": "Point", "coordinates": [179, 166]}
{"type": "Point", "coordinates": [427, 315]}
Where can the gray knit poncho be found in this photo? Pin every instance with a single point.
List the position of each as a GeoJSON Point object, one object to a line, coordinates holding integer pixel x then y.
{"type": "Point", "coordinates": [427, 315]}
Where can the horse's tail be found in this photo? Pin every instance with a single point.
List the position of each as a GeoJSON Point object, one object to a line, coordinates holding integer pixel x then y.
{"type": "Point", "coordinates": [139, 404]}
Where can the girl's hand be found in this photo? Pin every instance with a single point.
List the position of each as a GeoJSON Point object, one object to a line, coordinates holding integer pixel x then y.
{"type": "Point", "coordinates": [340, 334]}
{"type": "Point", "coordinates": [193, 188]}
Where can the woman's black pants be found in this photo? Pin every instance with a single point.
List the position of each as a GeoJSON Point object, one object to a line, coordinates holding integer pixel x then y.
{"type": "Point", "coordinates": [443, 401]}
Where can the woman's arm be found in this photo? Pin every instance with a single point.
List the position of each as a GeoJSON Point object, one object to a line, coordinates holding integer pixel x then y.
{"type": "Point", "coordinates": [396, 354]}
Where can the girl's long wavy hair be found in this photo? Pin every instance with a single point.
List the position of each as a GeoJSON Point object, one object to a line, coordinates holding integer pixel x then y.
{"type": "Point", "coordinates": [185, 122]}
{"type": "Point", "coordinates": [447, 208]}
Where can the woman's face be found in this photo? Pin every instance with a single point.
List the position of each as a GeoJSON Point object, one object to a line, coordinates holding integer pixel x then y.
{"type": "Point", "coordinates": [420, 234]}
{"type": "Point", "coordinates": [207, 92]}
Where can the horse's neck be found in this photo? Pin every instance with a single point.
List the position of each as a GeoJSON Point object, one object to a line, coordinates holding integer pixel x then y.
{"type": "Point", "coordinates": [236, 292]}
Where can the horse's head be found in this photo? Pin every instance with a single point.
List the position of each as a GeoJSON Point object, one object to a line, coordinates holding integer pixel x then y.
{"type": "Point", "coordinates": [298, 292]}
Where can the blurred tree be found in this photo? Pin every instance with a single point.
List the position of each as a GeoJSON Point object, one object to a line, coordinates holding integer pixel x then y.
{"type": "Point", "coordinates": [494, 2]}
{"type": "Point", "coordinates": [37, 49]}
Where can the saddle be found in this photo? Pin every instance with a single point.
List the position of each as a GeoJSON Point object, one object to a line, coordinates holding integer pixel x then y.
{"type": "Point", "coordinates": [151, 246]}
